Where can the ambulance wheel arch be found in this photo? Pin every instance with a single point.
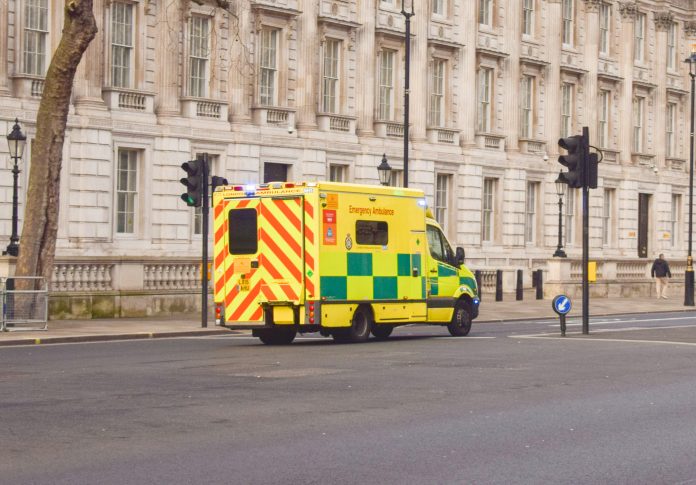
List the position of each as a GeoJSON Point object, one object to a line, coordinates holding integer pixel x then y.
{"type": "Point", "coordinates": [360, 328]}
{"type": "Point", "coordinates": [461, 318]}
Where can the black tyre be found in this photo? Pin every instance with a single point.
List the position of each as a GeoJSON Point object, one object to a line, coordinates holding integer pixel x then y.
{"type": "Point", "coordinates": [277, 336]}
{"type": "Point", "coordinates": [382, 332]}
{"type": "Point", "coordinates": [359, 330]}
{"type": "Point", "coordinates": [461, 320]}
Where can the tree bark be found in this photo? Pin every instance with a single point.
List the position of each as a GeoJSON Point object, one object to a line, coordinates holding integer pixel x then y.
{"type": "Point", "coordinates": [38, 239]}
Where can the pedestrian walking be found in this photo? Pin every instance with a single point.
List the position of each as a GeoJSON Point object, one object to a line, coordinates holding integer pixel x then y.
{"type": "Point", "coordinates": [660, 271]}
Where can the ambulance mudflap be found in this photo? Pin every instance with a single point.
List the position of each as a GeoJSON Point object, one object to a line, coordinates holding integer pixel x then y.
{"type": "Point", "coordinates": [264, 267]}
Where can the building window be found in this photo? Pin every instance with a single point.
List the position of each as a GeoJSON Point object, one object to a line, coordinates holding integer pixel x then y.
{"type": "Point", "coordinates": [607, 209]}
{"type": "Point", "coordinates": [386, 85]}
{"type": "Point", "coordinates": [566, 109]}
{"type": "Point", "coordinates": [397, 178]}
{"type": "Point", "coordinates": [672, 46]}
{"type": "Point", "coordinates": [671, 123]}
{"type": "Point", "coordinates": [567, 26]}
{"type": "Point", "coordinates": [437, 94]}
{"type": "Point", "coordinates": [331, 80]}
{"type": "Point", "coordinates": [530, 226]}
{"type": "Point", "coordinates": [488, 206]}
{"type": "Point", "coordinates": [484, 99]}
{"type": "Point", "coordinates": [638, 106]}
{"type": "Point", "coordinates": [528, 17]}
{"type": "Point", "coordinates": [604, 114]}
{"type": "Point", "coordinates": [198, 55]}
{"type": "Point", "coordinates": [337, 173]}
{"type": "Point", "coordinates": [485, 16]}
{"type": "Point", "coordinates": [675, 220]}
{"type": "Point", "coordinates": [526, 106]}
{"type": "Point", "coordinates": [439, 7]}
{"type": "Point", "coordinates": [570, 217]}
{"type": "Point", "coordinates": [639, 38]}
{"type": "Point", "coordinates": [604, 28]}
{"type": "Point", "coordinates": [269, 67]}
{"type": "Point", "coordinates": [442, 183]}
{"type": "Point", "coordinates": [35, 36]}
{"type": "Point", "coordinates": [121, 44]}
{"type": "Point", "coordinates": [126, 191]}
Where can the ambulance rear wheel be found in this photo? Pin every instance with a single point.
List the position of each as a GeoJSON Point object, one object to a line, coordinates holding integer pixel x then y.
{"type": "Point", "coordinates": [461, 320]}
{"type": "Point", "coordinates": [382, 332]}
{"type": "Point", "coordinates": [277, 336]}
{"type": "Point", "coordinates": [359, 330]}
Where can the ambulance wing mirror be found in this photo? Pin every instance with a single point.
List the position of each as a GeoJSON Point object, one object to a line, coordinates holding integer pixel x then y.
{"type": "Point", "coordinates": [459, 257]}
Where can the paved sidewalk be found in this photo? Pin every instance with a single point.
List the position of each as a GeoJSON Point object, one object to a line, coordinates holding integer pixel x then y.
{"type": "Point", "coordinates": [61, 331]}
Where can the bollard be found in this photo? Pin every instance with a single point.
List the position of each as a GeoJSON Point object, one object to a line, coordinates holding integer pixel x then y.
{"type": "Point", "coordinates": [540, 284]}
{"type": "Point", "coordinates": [534, 279]}
{"type": "Point", "coordinates": [477, 277]}
{"type": "Point", "coordinates": [499, 285]}
{"type": "Point", "coordinates": [520, 289]}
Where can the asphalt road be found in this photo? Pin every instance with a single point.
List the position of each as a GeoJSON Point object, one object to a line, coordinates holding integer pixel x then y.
{"type": "Point", "coordinates": [512, 403]}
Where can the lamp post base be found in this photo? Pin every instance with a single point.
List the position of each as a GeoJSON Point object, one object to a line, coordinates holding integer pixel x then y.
{"type": "Point", "coordinates": [560, 253]}
{"type": "Point", "coordinates": [689, 287]}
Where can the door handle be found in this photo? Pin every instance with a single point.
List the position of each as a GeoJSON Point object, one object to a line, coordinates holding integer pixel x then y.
{"type": "Point", "coordinates": [433, 271]}
{"type": "Point", "coordinates": [415, 272]}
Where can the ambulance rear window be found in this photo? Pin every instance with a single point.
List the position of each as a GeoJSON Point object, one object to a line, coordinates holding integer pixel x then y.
{"type": "Point", "coordinates": [242, 231]}
{"type": "Point", "coordinates": [372, 232]}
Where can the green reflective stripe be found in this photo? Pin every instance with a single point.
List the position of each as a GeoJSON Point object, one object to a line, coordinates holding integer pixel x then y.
{"type": "Point", "coordinates": [384, 287]}
{"type": "Point", "coordinates": [359, 264]}
{"type": "Point", "coordinates": [443, 270]}
{"type": "Point", "coordinates": [467, 281]}
{"type": "Point", "coordinates": [334, 287]}
{"type": "Point", "coordinates": [403, 264]}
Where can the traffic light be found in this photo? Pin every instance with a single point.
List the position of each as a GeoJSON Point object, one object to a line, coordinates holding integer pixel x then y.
{"type": "Point", "coordinates": [193, 181]}
{"type": "Point", "coordinates": [216, 181]}
{"type": "Point", "coordinates": [593, 161]}
{"type": "Point", "coordinates": [576, 160]}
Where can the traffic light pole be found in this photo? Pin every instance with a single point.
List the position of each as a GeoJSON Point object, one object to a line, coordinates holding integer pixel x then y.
{"type": "Point", "coordinates": [586, 235]}
{"type": "Point", "coordinates": [205, 210]}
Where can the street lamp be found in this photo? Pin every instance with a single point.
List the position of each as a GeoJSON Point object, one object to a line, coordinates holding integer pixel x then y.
{"type": "Point", "coordinates": [560, 191]}
{"type": "Point", "coordinates": [16, 141]}
{"type": "Point", "coordinates": [384, 171]}
{"type": "Point", "coordinates": [407, 42]}
{"type": "Point", "coordinates": [689, 273]}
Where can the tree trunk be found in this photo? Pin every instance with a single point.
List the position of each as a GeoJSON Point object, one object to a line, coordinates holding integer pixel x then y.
{"type": "Point", "coordinates": [38, 239]}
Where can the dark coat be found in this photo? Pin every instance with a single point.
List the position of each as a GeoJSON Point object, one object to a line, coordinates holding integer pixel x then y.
{"type": "Point", "coordinates": [660, 268]}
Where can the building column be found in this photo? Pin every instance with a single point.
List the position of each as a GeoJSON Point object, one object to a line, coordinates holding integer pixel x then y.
{"type": "Point", "coordinates": [169, 25]}
{"type": "Point", "coordinates": [628, 15]}
{"type": "Point", "coordinates": [511, 92]}
{"type": "Point", "coordinates": [553, 78]}
{"type": "Point", "coordinates": [4, 65]}
{"type": "Point", "coordinates": [466, 121]}
{"type": "Point", "coordinates": [242, 69]}
{"type": "Point", "coordinates": [420, 72]}
{"type": "Point", "coordinates": [305, 91]}
{"type": "Point", "coordinates": [365, 66]}
{"type": "Point", "coordinates": [90, 72]}
{"type": "Point", "coordinates": [663, 20]}
{"type": "Point", "coordinates": [592, 65]}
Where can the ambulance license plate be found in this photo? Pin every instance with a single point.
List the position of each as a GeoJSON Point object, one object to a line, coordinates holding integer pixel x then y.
{"type": "Point", "coordinates": [243, 284]}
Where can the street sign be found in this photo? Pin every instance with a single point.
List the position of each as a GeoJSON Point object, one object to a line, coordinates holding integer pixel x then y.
{"type": "Point", "coordinates": [561, 305]}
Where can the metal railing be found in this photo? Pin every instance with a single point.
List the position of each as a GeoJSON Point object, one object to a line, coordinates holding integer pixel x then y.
{"type": "Point", "coordinates": [24, 303]}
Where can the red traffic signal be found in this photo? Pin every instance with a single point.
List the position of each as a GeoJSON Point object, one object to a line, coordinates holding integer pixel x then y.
{"type": "Point", "coordinates": [575, 160]}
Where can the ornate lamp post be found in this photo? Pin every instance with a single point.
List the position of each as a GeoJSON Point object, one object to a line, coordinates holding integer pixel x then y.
{"type": "Point", "coordinates": [16, 141]}
{"type": "Point", "coordinates": [407, 46]}
{"type": "Point", "coordinates": [384, 171]}
{"type": "Point", "coordinates": [560, 191]}
{"type": "Point", "coordinates": [689, 273]}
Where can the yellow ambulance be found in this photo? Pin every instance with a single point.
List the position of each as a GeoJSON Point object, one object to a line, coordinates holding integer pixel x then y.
{"type": "Point", "coordinates": [344, 260]}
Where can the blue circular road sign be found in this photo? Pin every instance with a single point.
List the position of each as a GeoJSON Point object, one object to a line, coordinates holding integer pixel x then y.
{"type": "Point", "coordinates": [561, 305]}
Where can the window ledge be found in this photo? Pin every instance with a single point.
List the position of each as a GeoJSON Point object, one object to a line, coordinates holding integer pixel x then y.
{"type": "Point", "coordinates": [28, 86]}
{"type": "Point", "coordinates": [531, 146]}
{"type": "Point", "coordinates": [203, 108]}
{"type": "Point", "coordinates": [123, 99]}
{"type": "Point", "coordinates": [609, 155]}
{"type": "Point", "coordinates": [274, 116]}
{"type": "Point", "coordinates": [676, 164]}
{"type": "Point", "coordinates": [645, 159]}
{"type": "Point", "coordinates": [385, 128]}
{"type": "Point", "coordinates": [490, 141]}
{"type": "Point", "coordinates": [336, 123]}
{"type": "Point", "coordinates": [442, 135]}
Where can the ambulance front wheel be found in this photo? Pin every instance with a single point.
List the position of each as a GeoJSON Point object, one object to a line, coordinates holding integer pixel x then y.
{"type": "Point", "coordinates": [461, 320]}
{"type": "Point", "coordinates": [277, 336]}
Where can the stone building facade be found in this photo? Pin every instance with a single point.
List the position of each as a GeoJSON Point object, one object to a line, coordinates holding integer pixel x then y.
{"type": "Point", "coordinates": [313, 90]}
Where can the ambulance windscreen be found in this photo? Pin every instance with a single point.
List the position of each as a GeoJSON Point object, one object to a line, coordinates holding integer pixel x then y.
{"type": "Point", "coordinates": [243, 231]}
{"type": "Point", "coordinates": [372, 232]}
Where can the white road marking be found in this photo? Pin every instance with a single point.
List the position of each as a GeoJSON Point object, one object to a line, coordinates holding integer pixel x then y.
{"type": "Point", "coordinates": [588, 339]}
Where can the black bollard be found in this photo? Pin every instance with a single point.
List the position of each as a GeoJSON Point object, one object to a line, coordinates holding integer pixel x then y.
{"type": "Point", "coordinates": [520, 289]}
{"type": "Point", "coordinates": [540, 284]}
{"type": "Point", "coordinates": [499, 285]}
{"type": "Point", "coordinates": [477, 277]}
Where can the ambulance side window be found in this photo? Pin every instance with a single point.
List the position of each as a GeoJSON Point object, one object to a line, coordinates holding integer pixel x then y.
{"type": "Point", "coordinates": [438, 247]}
{"type": "Point", "coordinates": [372, 232]}
{"type": "Point", "coordinates": [243, 231]}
